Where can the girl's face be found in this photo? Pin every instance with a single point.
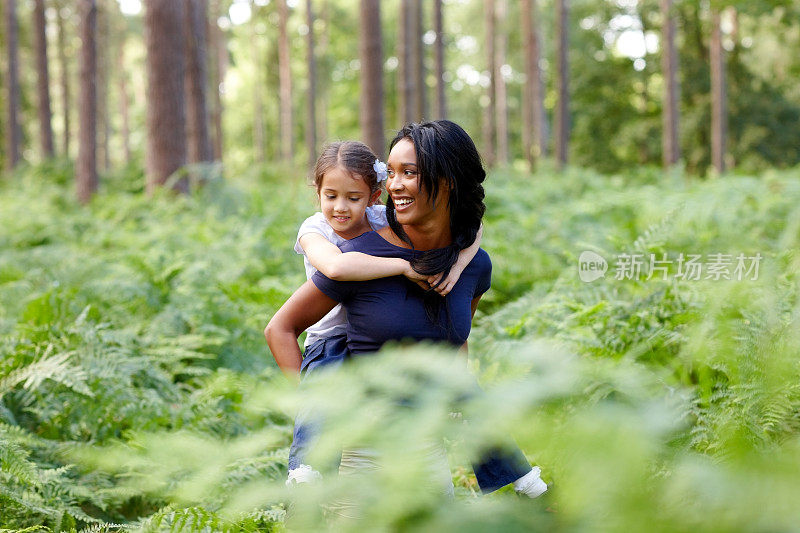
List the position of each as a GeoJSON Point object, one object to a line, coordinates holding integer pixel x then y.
{"type": "Point", "coordinates": [411, 204]}
{"type": "Point", "coordinates": [343, 200]}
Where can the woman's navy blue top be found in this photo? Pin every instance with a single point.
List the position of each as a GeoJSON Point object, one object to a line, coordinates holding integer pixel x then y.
{"type": "Point", "coordinates": [392, 309]}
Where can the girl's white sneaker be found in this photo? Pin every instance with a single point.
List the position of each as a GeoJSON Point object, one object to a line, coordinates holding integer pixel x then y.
{"type": "Point", "coordinates": [531, 484]}
{"type": "Point", "coordinates": [302, 474]}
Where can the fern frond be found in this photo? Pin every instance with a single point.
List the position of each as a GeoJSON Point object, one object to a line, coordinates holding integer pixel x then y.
{"type": "Point", "coordinates": [55, 368]}
{"type": "Point", "coordinates": [14, 462]}
{"type": "Point", "coordinates": [105, 527]}
{"type": "Point", "coordinates": [187, 519]}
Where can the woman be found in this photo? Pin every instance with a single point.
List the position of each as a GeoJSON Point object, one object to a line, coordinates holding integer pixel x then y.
{"type": "Point", "coordinates": [434, 210]}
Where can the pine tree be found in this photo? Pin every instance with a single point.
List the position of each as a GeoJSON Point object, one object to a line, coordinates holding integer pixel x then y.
{"type": "Point", "coordinates": [371, 53]}
{"type": "Point", "coordinates": [285, 80]}
{"type": "Point", "coordinates": [166, 110]}
{"type": "Point", "coordinates": [13, 133]}
{"type": "Point", "coordinates": [199, 141]}
{"type": "Point", "coordinates": [86, 165]}
{"type": "Point", "coordinates": [562, 82]}
{"type": "Point", "coordinates": [441, 99]}
{"type": "Point", "coordinates": [43, 80]}
{"type": "Point", "coordinates": [533, 117]}
{"type": "Point", "coordinates": [489, 125]}
{"type": "Point", "coordinates": [500, 101]}
{"type": "Point", "coordinates": [718, 98]}
{"type": "Point", "coordinates": [311, 61]}
{"type": "Point", "coordinates": [669, 67]}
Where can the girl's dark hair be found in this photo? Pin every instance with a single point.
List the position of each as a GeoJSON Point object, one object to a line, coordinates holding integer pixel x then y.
{"type": "Point", "coordinates": [353, 156]}
{"type": "Point", "coordinates": [446, 156]}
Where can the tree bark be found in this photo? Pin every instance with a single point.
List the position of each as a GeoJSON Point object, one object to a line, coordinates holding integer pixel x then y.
{"type": "Point", "coordinates": [124, 102]}
{"type": "Point", "coordinates": [501, 104]}
{"type": "Point", "coordinates": [311, 119]}
{"type": "Point", "coordinates": [669, 67]}
{"type": "Point", "coordinates": [120, 29]}
{"type": "Point", "coordinates": [371, 54]}
{"type": "Point", "coordinates": [102, 46]}
{"type": "Point", "coordinates": [259, 136]}
{"type": "Point", "coordinates": [324, 43]}
{"type": "Point", "coordinates": [562, 82]}
{"type": "Point", "coordinates": [533, 133]}
{"type": "Point", "coordinates": [199, 143]}
{"type": "Point", "coordinates": [489, 125]}
{"type": "Point", "coordinates": [418, 61]}
{"type": "Point", "coordinates": [438, 25]}
{"type": "Point", "coordinates": [217, 53]}
{"type": "Point", "coordinates": [13, 132]}
{"type": "Point", "coordinates": [166, 112]}
{"type": "Point", "coordinates": [66, 100]}
{"type": "Point", "coordinates": [718, 104]}
{"type": "Point", "coordinates": [43, 80]}
{"type": "Point", "coordinates": [406, 80]}
{"type": "Point", "coordinates": [86, 165]}
{"type": "Point", "coordinates": [285, 80]}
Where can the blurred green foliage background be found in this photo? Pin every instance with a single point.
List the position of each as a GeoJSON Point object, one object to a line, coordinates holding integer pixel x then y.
{"type": "Point", "coordinates": [136, 391]}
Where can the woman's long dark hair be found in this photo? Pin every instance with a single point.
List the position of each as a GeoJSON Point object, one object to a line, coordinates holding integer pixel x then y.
{"type": "Point", "coordinates": [446, 156]}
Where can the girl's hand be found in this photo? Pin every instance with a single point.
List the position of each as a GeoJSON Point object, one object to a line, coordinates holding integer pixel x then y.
{"type": "Point", "coordinates": [416, 277]}
{"type": "Point", "coordinates": [446, 284]}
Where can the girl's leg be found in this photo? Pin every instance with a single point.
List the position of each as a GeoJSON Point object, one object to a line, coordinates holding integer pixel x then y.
{"type": "Point", "coordinates": [500, 466]}
{"type": "Point", "coordinates": [329, 352]}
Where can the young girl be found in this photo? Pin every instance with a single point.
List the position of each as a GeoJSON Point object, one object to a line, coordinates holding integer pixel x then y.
{"type": "Point", "coordinates": [348, 178]}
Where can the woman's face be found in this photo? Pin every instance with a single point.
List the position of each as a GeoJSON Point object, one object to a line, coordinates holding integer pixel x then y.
{"type": "Point", "coordinates": [411, 203]}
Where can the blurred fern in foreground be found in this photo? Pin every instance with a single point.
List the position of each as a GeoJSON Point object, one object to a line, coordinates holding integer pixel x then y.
{"type": "Point", "coordinates": [136, 392]}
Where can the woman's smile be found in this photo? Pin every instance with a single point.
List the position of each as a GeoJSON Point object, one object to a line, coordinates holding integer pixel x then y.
{"type": "Point", "coordinates": [402, 202]}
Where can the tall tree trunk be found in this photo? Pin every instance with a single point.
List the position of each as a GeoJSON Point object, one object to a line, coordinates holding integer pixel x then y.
{"type": "Point", "coordinates": [124, 101]}
{"type": "Point", "coordinates": [102, 47]}
{"type": "Point", "coordinates": [718, 104]}
{"type": "Point", "coordinates": [285, 79]}
{"type": "Point", "coordinates": [371, 53]}
{"type": "Point", "coordinates": [43, 80]}
{"type": "Point", "coordinates": [66, 100]}
{"type": "Point", "coordinates": [489, 126]}
{"type": "Point", "coordinates": [438, 26]}
{"type": "Point", "coordinates": [562, 82]}
{"type": "Point", "coordinates": [406, 79]}
{"type": "Point", "coordinates": [533, 134]}
{"type": "Point", "coordinates": [418, 61]}
{"type": "Point", "coordinates": [199, 142]}
{"type": "Point", "coordinates": [217, 53]}
{"type": "Point", "coordinates": [86, 165]}
{"type": "Point", "coordinates": [669, 67]}
{"type": "Point", "coordinates": [259, 136]}
{"type": "Point", "coordinates": [120, 30]}
{"type": "Point", "coordinates": [13, 133]}
{"type": "Point", "coordinates": [501, 104]}
{"type": "Point", "coordinates": [311, 119]}
{"type": "Point", "coordinates": [166, 111]}
{"type": "Point", "coordinates": [324, 42]}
